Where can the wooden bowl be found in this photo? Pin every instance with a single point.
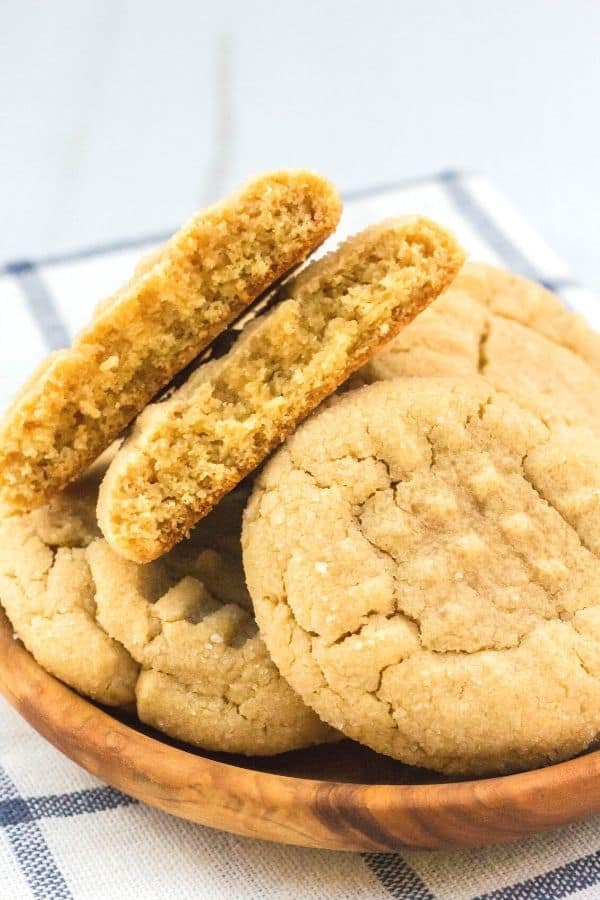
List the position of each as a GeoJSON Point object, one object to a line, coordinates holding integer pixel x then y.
{"type": "Point", "coordinates": [341, 797]}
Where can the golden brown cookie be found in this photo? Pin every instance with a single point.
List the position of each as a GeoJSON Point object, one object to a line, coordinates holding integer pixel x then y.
{"type": "Point", "coordinates": [176, 302]}
{"type": "Point", "coordinates": [186, 619]}
{"type": "Point", "coordinates": [194, 666]}
{"type": "Point", "coordinates": [186, 453]}
{"type": "Point", "coordinates": [513, 331]}
{"type": "Point", "coordinates": [423, 557]}
{"type": "Point", "coordinates": [48, 593]}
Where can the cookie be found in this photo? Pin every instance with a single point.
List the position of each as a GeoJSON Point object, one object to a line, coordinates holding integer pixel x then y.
{"type": "Point", "coordinates": [47, 591]}
{"type": "Point", "coordinates": [513, 331]}
{"type": "Point", "coordinates": [176, 639]}
{"type": "Point", "coordinates": [186, 453]}
{"type": "Point", "coordinates": [206, 677]}
{"type": "Point", "coordinates": [423, 561]}
{"type": "Point", "coordinates": [176, 302]}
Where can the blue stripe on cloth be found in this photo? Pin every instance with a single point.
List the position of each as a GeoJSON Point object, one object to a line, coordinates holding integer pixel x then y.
{"type": "Point", "coordinates": [90, 252]}
{"type": "Point", "coordinates": [37, 862]}
{"type": "Point", "coordinates": [139, 242]}
{"type": "Point", "coordinates": [561, 882]}
{"type": "Point", "coordinates": [29, 846]}
{"type": "Point", "coordinates": [7, 789]}
{"type": "Point", "coordinates": [41, 305]}
{"type": "Point", "coordinates": [14, 809]}
{"type": "Point", "coordinates": [559, 284]}
{"type": "Point", "coordinates": [486, 226]}
{"type": "Point", "coordinates": [397, 877]}
{"type": "Point", "coordinates": [92, 800]}
{"type": "Point", "coordinates": [392, 186]}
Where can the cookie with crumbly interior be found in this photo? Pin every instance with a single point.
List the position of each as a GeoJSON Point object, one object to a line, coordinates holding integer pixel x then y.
{"type": "Point", "coordinates": [186, 453]}
{"type": "Point", "coordinates": [206, 677]}
{"type": "Point", "coordinates": [177, 301]}
{"type": "Point", "coordinates": [513, 331]}
{"type": "Point", "coordinates": [48, 593]}
{"type": "Point", "coordinates": [423, 558]}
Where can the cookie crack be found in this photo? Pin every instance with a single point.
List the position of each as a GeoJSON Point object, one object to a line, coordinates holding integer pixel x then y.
{"type": "Point", "coordinates": [194, 688]}
{"type": "Point", "coordinates": [116, 680]}
{"type": "Point", "coordinates": [481, 410]}
{"type": "Point", "coordinates": [583, 665]}
{"type": "Point", "coordinates": [325, 485]}
{"type": "Point", "coordinates": [379, 458]}
{"type": "Point", "coordinates": [544, 499]}
{"type": "Point", "coordinates": [341, 697]}
{"type": "Point", "coordinates": [392, 708]}
{"type": "Point", "coordinates": [432, 449]}
{"type": "Point", "coordinates": [386, 554]}
{"type": "Point", "coordinates": [358, 631]}
{"type": "Point", "coordinates": [482, 356]}
{"type": "Point", "coordinates": [552, 340]}
{"type": "Point", "coordinates": [43, 581]}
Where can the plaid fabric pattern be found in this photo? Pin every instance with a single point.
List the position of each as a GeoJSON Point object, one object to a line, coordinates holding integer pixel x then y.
{"type": "Point", "coordinates": [65, 835]}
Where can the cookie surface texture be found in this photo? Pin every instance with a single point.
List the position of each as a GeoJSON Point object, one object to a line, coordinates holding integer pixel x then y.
{"type": "Point", "coordinates": [47, 591]}
{"type": "Point", "coordinates": [177, 301]}
{"type": "Point", "coordinates": [513, 331]}
{"type": "Point", "coordinates": [423, 562]}
{"type": "Point", "coordinates": [186, 453]}
{"type": "Point", "coordinates": [206, 677]}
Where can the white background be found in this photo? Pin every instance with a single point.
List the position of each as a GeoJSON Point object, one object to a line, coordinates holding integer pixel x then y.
{"type": "Point", "coordinates": [120, 118]}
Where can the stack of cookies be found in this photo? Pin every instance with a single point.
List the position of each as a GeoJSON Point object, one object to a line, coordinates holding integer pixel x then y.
{"type": "Point", "coordinates": [266, 503]}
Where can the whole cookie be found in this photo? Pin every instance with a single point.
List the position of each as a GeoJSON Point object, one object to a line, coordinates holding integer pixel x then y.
{"type": "Point", "coordinates": [186, 619]}
{"type": "Point", "coordinates": [47, 591]}
{"type": "Point", "coordinates": [423, 561]}
{"type": "Point", "coordinates": [513, 331]}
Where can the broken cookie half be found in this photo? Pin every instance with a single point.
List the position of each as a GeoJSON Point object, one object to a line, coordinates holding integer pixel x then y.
{"type": "Point", "coordinates": [176, 302]}
{"type": "Point", "coordinates": [184, 454]}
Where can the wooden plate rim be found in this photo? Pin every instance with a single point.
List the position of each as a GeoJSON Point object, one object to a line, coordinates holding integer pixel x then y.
{"type": "Point", "coordinates": [470, 813]}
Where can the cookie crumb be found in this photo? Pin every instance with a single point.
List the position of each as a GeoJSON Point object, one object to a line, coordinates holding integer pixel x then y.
{"type": "Point", "coordinates": [109, 363]}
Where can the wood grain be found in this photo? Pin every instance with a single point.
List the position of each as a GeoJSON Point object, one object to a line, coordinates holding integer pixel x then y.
{"type": "Point", "coordinates": [281, 799]}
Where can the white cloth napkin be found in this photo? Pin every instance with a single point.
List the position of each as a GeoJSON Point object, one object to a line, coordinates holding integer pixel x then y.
{"type": "Point", "coordinates": [63, 834]}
